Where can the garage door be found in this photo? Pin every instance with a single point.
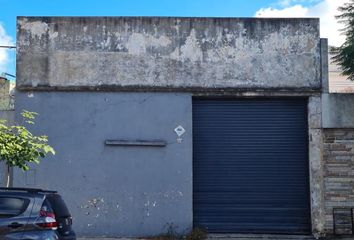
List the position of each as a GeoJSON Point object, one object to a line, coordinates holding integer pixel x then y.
{"type": "Point", "coordinates": [250, 166]}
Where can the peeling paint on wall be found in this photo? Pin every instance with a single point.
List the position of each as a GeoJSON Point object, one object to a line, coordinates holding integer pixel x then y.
{"type": "Point", "coordinates": [191, 49]}
{"type": "Point", "coordinates": [36, 28]}
{"type": "Point", "coordinates": [138, 43]}
{"type": "Point", "coordinates": [176, 53]}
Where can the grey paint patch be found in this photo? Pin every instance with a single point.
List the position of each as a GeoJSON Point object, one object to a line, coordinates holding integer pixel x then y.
{"type": "Point", "coordinates": [338, 110]}
{"type": "Point", "coordinates": [115, 191]}
{"type": "Point", "coordinates": [177, 53]}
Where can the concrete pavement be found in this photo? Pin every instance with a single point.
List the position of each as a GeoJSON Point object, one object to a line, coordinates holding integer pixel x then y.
{"type": "Point", "coordinates": [239, 237]}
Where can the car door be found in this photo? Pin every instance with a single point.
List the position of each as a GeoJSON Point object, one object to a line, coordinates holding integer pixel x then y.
{"type": "Point", "coordinates": [14, 214]}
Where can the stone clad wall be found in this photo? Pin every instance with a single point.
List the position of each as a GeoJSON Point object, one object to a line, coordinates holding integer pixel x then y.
{"type": "Point", "coordinates": [338, 155]}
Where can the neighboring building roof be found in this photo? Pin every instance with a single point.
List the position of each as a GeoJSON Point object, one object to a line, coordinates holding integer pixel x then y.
{"type": "Point", "coordinates": [337, 82]}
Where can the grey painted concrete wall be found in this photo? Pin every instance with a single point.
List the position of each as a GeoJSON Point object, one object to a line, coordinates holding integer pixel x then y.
{"type": "Point", "coordinates": [167, 53]}
{"type": "Point", "coordinates": [115, 191]}
{"type": "Point", "coordinates": [338, 110]}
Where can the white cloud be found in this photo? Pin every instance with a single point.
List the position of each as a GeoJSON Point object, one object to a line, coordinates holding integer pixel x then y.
{"type": "Point", "coordinates": [326, 10]}
{"type": "Point", "coordinates": [288, 3]}
{"type": "Point", "coordinates": [4, 53]}
{"type": "Point", "coordinates": [288, 12]}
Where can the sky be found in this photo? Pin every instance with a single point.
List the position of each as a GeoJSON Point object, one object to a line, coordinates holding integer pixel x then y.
{"type": "Point", "coordinates": [10, 9]}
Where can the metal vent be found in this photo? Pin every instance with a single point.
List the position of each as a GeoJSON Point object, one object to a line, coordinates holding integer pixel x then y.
{"type": "Point", "coordinates": [343, 223]}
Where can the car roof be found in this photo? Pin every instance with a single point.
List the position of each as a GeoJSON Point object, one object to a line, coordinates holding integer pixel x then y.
{"type": "Point", "coordinates": [25, 191]}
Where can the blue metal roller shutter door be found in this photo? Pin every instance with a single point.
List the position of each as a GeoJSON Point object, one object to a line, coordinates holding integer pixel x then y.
{"type": "Point", "coordinates": [250, 166]}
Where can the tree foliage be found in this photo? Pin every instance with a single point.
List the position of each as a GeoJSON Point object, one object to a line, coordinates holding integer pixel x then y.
{"type": "Point", "coordinates": [19, 147]}
{"type": "Point", "coordinates": [344, 56]}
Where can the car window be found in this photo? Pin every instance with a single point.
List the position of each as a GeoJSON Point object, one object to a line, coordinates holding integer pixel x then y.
{"type": "Point", "coordinates": [46, 206]}
{"type": "Point", "coordinates": [58, 205]}
{"type": "Point", "coordinates": [10, 207]}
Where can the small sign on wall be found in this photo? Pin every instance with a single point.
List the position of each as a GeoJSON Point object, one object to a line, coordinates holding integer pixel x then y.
{"type": "Point", "coordinates": [179, 130]}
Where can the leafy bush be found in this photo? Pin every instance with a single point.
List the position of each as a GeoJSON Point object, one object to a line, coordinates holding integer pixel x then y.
{"type": "Point", "coordinates": [19, 147]}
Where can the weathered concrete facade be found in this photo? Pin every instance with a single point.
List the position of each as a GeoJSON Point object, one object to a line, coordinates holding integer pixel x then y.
{"type": "Point", "coordinates": [95, 79]}
{"type": "Point", "coordinates": [163, 53]}
{"type": "Point", "coordinates": [316, 164]}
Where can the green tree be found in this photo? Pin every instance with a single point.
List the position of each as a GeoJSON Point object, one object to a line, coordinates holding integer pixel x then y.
{"type": "Point", "coordinates": [19, 147]}
{"type": "Point", "coordinates": [344, 55]}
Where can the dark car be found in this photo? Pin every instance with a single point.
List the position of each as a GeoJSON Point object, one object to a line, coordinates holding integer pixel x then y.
{"type": "Point", "coordinates": [27, 213]}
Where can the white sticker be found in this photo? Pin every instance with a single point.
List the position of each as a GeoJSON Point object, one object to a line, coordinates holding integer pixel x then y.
{"type": "Point", "coordinates": [180, 130]}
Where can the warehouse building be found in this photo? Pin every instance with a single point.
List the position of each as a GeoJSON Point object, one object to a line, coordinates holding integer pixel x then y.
{"type": "Point", "coordinates": [158, 123]}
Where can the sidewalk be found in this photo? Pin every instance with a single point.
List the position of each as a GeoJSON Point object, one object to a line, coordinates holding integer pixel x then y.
{"type": "Point", "coordinates": [241, 237]}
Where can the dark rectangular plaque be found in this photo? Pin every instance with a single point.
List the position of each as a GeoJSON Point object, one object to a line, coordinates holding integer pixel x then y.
{"type": "Point", "coordinates": [135, 143]}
